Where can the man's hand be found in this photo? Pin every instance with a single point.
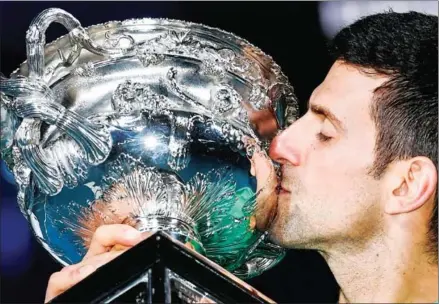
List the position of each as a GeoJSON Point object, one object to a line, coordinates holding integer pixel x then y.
{"type": "Point", "coordinates": [108, 242]}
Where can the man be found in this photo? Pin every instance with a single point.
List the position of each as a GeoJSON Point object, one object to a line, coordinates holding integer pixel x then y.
{"type": "Point", "coordinates": [359, 169]}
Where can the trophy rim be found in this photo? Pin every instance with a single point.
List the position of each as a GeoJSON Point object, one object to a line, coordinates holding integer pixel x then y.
{"type": "Point", "coordinates": [290, 113]}
{"type": "Point", "coordinates": [166, 22]}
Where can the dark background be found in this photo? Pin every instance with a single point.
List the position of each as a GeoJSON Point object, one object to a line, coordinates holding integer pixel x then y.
{"type": "Point", "coordinates": [289, 31]}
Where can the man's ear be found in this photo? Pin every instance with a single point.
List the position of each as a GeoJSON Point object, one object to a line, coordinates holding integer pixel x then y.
{"type": "Point", "coordinates": [413, 183]}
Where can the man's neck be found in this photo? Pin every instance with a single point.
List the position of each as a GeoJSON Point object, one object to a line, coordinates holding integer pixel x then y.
{"type": "Point", "coordinates": [384, 272]}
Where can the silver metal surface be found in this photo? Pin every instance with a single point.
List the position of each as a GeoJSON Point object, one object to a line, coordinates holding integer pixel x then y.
{"type": "Point", "coordinates": [132, 105]}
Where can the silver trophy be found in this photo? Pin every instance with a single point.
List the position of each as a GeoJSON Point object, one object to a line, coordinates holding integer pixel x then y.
{"type": "Point", "coordinates": [146, 122]}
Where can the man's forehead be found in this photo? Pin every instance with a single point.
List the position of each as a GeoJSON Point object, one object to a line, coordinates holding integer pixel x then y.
{"type": "Point", "coordinates": [347, 82]}
{"type": "Point", "coordinates": [346, 92]}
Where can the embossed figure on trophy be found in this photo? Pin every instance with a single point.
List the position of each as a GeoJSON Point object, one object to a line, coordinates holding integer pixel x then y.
{"type": "Point", "coordinates": [118, 41]}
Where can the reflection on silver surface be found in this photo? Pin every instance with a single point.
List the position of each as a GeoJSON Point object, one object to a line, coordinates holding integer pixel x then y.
{"type": "Point", "coordinates": [188, 292]}
{"type": "Point", "coordinates": [142, 282]}
{"type": "Point", "coordinates": [224, 272]}
{"type": "Point", "coordinates": [147, 122]}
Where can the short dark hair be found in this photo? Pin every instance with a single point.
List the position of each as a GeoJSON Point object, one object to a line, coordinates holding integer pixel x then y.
{"type": "Point", "coordinates": [404, 47]}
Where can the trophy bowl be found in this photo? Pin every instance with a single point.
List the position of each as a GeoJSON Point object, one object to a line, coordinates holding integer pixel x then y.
{"type": "Point", "coordinates": [145, 122]}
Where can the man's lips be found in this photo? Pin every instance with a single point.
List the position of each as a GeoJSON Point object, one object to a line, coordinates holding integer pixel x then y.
{"type": "Point", "coordinates": [281, 190]}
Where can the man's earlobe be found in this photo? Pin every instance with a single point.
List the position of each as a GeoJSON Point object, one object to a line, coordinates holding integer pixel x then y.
{"type": "Point", "coordinates": [414, 184]}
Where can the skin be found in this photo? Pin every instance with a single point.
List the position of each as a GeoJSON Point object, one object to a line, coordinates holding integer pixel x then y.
{"type": "Point", "coordinates": [372, 232]}
{"type": "Point", "coordinates": [108, 242]}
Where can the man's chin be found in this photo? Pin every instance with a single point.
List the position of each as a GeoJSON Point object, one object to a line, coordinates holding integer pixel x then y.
{"type": "Point", "coordinates": [273, 232]}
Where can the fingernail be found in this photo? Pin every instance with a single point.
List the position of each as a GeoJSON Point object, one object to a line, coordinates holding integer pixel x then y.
{"type": "Point", "coordinates": [132, 234]}
{"type": "Point", "coordinates": [86, 270]}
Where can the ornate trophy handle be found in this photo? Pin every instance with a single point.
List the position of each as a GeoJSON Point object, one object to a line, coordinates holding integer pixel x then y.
{"type": "Point", "coordinates": [31, 99]}
{"type": "Point", "coordinates": [36, 40]}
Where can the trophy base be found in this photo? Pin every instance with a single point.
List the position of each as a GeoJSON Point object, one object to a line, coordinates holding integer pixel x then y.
{"type": "Point", "coordinates": [161, 270]}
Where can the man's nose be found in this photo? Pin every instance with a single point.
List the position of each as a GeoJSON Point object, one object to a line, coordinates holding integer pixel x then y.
{"type": "Point", "coordinates": [283, 148]}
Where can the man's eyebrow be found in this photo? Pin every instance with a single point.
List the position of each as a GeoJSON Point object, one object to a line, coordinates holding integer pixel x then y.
{"type": "Point", "coordinates": [321, 110]}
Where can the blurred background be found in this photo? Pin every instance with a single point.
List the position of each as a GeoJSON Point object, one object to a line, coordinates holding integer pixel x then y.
{"type": "Point", "coordinates": [293, 33]}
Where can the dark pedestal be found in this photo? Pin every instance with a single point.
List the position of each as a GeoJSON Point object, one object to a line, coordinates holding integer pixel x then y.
{"type": "Point", "coordinates": [161, 270]}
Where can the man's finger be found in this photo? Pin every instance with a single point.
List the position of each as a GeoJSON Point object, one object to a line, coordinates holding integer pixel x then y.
{"type": "Point", "coordinates": [71, 275]}
{"type": "Point", "coordinates": [96, 261]}
{"type": "Point", "coordinates": [63, 280]}
{"type": "Point", "coordinates": [107, 236]}
{"type": "Point", "coordinates": [118, 247]}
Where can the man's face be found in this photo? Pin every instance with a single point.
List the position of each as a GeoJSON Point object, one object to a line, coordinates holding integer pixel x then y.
{"type": "Point", "coordinates": [328, 197]}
